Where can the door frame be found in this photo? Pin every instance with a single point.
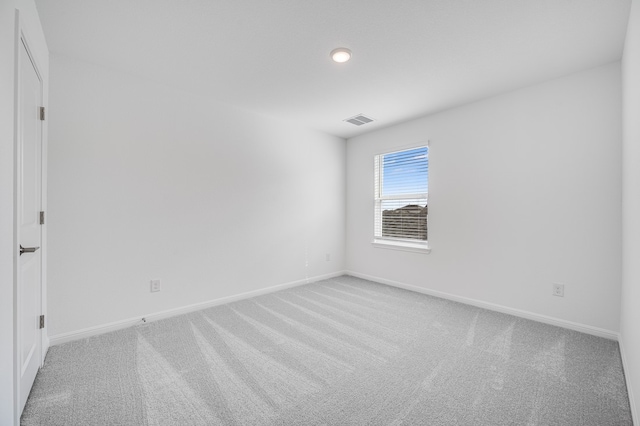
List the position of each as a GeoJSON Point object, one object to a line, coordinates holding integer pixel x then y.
{"type": "Point", "coordinates": [22, 38]}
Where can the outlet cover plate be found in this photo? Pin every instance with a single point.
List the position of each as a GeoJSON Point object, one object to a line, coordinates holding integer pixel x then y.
{"type": "Point", "coordinates": [558, 290]}
{"type": "Point", "coordinates": [155, 286]}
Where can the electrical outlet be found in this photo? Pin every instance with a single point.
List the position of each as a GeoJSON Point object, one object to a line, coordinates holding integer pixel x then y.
{"type": "Point", "coordinates": [558, 290]}
{"type": "Point", "coordinates": [155, 286]}
{"type": "Point", "coordinates": [328, 257]}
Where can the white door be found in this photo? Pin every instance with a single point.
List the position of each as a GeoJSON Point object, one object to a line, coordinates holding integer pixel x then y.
{"type": "Point", "coordinates": [29, 185]}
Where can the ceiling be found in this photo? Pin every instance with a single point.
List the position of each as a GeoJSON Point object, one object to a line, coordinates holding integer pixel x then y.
{"type": "Point", "coordinates": [410, 57]}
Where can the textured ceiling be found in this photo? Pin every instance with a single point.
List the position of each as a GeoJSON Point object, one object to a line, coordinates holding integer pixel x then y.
{"type": "Point", "coordinates": [410, 57]}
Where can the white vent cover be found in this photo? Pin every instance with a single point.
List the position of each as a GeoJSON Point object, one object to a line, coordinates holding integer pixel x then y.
{"type": "Point", "coordinates": [359, 120]}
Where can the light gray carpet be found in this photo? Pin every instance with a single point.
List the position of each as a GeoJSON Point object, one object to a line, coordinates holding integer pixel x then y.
{"type": "Point", "coordinates": [343, 351]}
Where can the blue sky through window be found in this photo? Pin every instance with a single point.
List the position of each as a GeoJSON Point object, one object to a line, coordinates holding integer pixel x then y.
{"type": "Point", "coordinates": [405, 172]}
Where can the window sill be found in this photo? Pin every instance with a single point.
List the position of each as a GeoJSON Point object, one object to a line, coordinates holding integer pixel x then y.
{"type": "Point", "coordinates": [402, 245]}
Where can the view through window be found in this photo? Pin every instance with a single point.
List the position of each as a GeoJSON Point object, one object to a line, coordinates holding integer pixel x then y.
{"type": "Point", "coordinates": [401, 189]}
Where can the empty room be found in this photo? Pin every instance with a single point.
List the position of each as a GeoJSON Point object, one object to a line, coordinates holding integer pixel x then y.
{"type": "Point", "coordinates": [319, 213]}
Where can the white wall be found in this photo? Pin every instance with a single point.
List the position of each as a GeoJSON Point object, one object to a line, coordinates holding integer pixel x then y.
{"type": "Point", "coordinates": [630, 312]}
{"type": "Point", "coordinates": [524, 191]}
{"type": "Point", "coordinates": [30, 22]}
{"type": "Point", "coordinates": [149, 182]}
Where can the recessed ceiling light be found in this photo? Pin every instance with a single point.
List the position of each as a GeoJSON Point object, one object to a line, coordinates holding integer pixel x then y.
{"type": "Point", "coordinates": [341, 54]}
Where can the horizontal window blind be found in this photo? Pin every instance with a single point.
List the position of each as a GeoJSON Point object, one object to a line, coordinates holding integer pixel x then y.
{"type": "Point", "coordinates": [401, 189]}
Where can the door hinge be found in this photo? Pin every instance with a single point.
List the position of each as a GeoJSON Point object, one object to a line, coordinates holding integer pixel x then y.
{"type": "Point", "coordinates": [41, 218]}
{"type": "Point", "coordinates": [41, 321]}
{"type": "Point", "coordinates": [42, 113]}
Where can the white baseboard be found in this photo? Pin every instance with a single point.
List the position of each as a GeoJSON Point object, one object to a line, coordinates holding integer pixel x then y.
{"type": "Point", "coordinates": [632, 401]}
{"type": "Point", "coordinates": [155, 316]}
{"type": "Point", "coordinates": [600, 332]}
{"type": "Point", "coordinates": [46, 343]}
{"type": "Point", "coordinates": [117, 325]}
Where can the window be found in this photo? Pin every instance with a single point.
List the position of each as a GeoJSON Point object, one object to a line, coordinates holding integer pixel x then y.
{"type": "Point", "coordinates": [401, 189]}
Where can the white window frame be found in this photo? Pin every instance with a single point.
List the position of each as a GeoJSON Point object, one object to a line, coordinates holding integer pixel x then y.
{"type": "Point", "coordinates": [389, 242]}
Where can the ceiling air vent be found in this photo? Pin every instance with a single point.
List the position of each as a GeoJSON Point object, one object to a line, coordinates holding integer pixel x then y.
{"type": "Point", "coordinates": [359, 120]}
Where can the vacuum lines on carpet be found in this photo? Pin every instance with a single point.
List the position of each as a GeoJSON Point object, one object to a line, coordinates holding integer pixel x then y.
{"type": "Point", "coordinates": [343, 351]}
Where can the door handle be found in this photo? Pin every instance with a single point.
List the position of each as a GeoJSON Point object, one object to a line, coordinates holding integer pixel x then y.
{"type": "Point", "coordinates": [27, 249]}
